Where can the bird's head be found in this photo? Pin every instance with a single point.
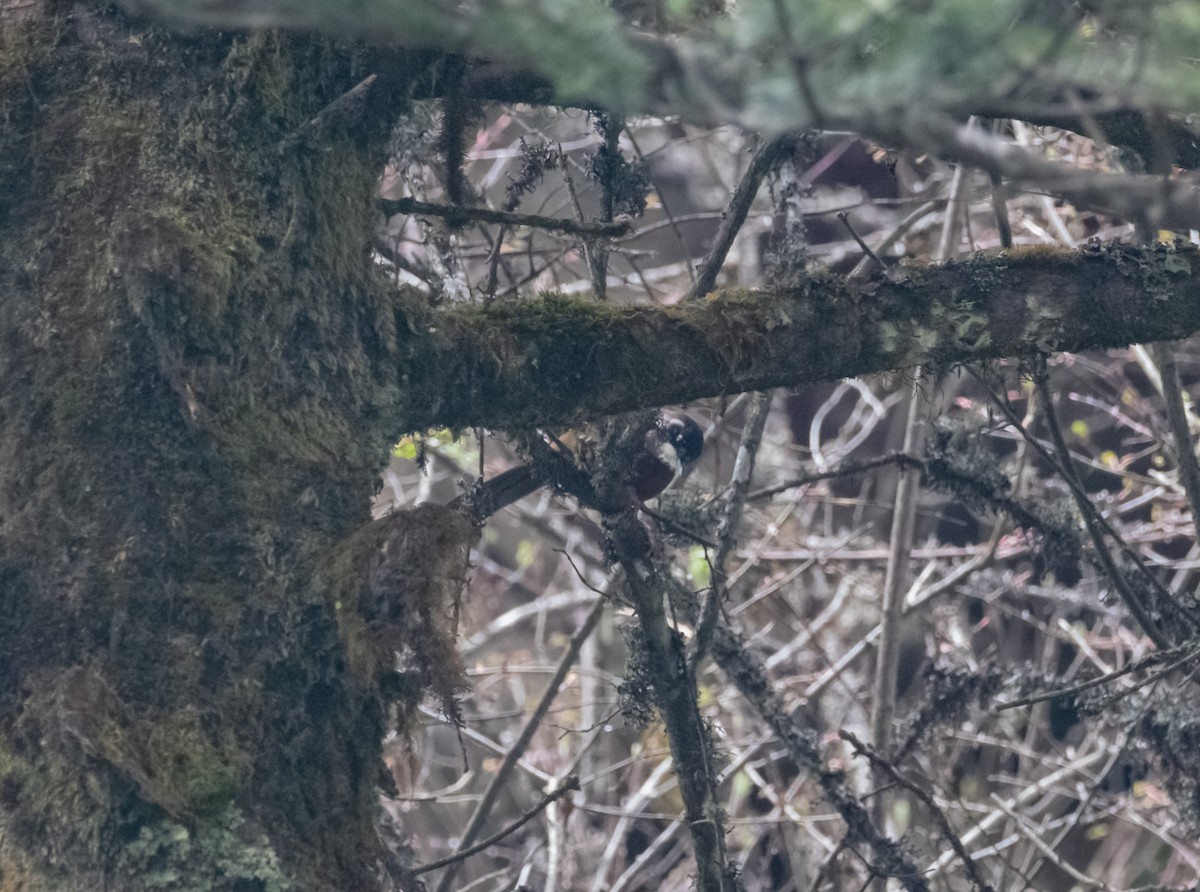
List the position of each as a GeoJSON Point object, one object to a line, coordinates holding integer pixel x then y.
{"type": "Point", "coordinates": [685, 437]}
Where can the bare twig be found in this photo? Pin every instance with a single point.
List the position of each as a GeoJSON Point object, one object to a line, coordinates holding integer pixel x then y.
{"type": "Point", "coordinates": [1152, 659]}
{"type": "Point", "coordinates": [1131, 598]}
{"type": "Point", "coordinates": [735, 214]}
{"type": "Point", "coordinates": [1177, 420]}
{"type": "Point", "coordinates": [892, 609]}
{"type": "Point", "coordinates": [866, 249]}
{"type": "Point", "coordinates": [1000, 202]}
{"type": "Point", "coordinates": [570, 785]}
{"type": "Point", "coordinates": [1111, 699]}
{"type": "Point", "coordinates": [1049, 853]}
{"type": "Point", "coordinates": [955, 211]}
{"type": "Point", "coordinates": [952, 837]}
{"type": "Point", "coordinates": [514, 753]}
{"type": "Point", "coordinates": [846, 469]}
{"type": "Point", "coordinates": [1027, 795]}
{"type": "Point", "coordinates": [727, 528]}
{"type": "Point", "coordinates": [1094, 522]}
{"type": "Point", "coordinates": [914, 600]}
{"type": "Point", "coordinates": [1000, 209]}
{"type": "Point", "coordinates": [633, 803]}
{"type": "Point", "coordinates": [668, 524]}
{"type": "Point", "coordinates": [673, 220]}
{"type": "Point", "coordinates": [505, 218]}
{"type": "Point", "coordinates": [898, 232]}
{"type": "Point", "coordinates": [1155, 200]}
{"type": "Point", "coordinates": [338, 116]}
{"type": "Point", "coordinates": [653, 855]}
{"type": "Point", "coordinates": [889, 858]}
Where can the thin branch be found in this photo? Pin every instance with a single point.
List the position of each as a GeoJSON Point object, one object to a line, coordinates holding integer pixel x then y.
{"type": "Point", "coordinates": [505, 218]}
{"type": "Point", "coordinates": [727, 528]}
{"type": "Point", "coordinates": [672, 220]}
{"type": "Point", "coordinates": [1000, 202]}
{"type": "Point", "coordinates": [1022, 799]}
{"type": "Point", "coordinates": [342, 114]}
{"type": "Point", "coordinates": [735, 214]}
{"type": "Point", "coordinates": [610, 126]}
{"type": "Point", "coordinates": [1000, 209]}
{"type": "Point", "coordinates": [1094, 524]}
{"type": "Point", "coordinates": [492, 281]}
{"type": "Point", "coordinates": [956, 843]}
{"type": "Point", "coordinates": [1152, 659]}
{"type": "Point", "coordinates": [898, 232]}
{"type": "Point", "coordinates": [1155, 200]}
{"type": "Point", "coordinates": [570, 785]}
{"type": "Point", "coordinates": [887, 658]}
{"type": "Point", "coordinates": [866, 249]}
{"type": "Point", "coordinates": [1108, 702]}
{"type": "Point", "coordinates": [674, 527]}
{"type": "Point", "coordinates": [1178, 421]}
{"type": "Point", "coordinates": [520, 745]}
{"type": "Point", "coordinates": [652, 854]}
{"type": "Point", "coordinates": [675, 696]}
{"type": "Point", "coordinates": [1049, 853]}
{"type": "Point", "coordinates": [955, 211]}
{"type": "Point", "coordinates": [746, 672]}
{"type": "Point", "coordinates": [846, 469]}
{"type": "Point", "coordinates": [652, 787]}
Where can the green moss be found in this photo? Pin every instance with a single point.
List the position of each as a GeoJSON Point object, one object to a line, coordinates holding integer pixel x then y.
{"type": "Point", "coordinates": [226, 852]}
{"type": "Point", "coordinates": [23, 46]}
{"type": "Point", "coordinates": [395, 587]}
{"type": "Point", "coordinates": [41, 793]}
{"type": "Point", "coordinates": [186, 767]}
{"type": "Point", "coordinates": [1057, 253]}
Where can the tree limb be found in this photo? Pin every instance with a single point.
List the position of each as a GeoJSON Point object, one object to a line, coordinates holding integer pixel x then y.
{"type": "Point", "coordinates": [506, 218]}
{"type": "Point", "coordinates": [1155, 200]}
{"type": "Point", "coordinates": [555, 360]}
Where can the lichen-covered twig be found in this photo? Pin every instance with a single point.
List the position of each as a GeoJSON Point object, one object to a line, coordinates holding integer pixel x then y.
{"type": "Point", "coordinates": [672, 688]}
{"type": "Point", "coordinates": [956, 843]}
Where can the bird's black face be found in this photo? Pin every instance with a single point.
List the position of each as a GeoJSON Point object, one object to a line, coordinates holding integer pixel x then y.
{"type": "Point", "coordinates": [686, 437]}
{"type": "Point", "coordinates": [673, 445]}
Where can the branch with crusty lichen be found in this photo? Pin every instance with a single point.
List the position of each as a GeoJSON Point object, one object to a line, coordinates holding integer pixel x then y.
{"type": "Point", "coordinates": [672, 689]}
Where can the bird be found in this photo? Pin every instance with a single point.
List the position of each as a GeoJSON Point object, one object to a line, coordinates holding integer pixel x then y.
{"type": "Point", "coordinates": [672, 448]}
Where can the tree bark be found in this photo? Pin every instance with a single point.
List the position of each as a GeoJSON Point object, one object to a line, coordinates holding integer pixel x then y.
{"type": "Point", "coordinates": [198, 392]}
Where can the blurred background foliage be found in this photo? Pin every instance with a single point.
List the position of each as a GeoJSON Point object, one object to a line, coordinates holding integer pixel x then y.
{"type": "Point", "coordinates": [993, 612]}
{"type": "Point", "coordinates": [783, 64]}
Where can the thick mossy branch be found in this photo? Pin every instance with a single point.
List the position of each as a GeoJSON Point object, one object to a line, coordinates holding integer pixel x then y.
{"type": "Point", "coordinates": [557, 359]}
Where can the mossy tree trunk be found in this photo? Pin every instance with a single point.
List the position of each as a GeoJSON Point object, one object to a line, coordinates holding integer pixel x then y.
{"type": "Point", "coordinates": [197, 367]}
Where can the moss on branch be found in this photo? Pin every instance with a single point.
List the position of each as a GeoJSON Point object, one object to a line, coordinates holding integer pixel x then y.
{"type": "Point", "coordinates": [556, 359]}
